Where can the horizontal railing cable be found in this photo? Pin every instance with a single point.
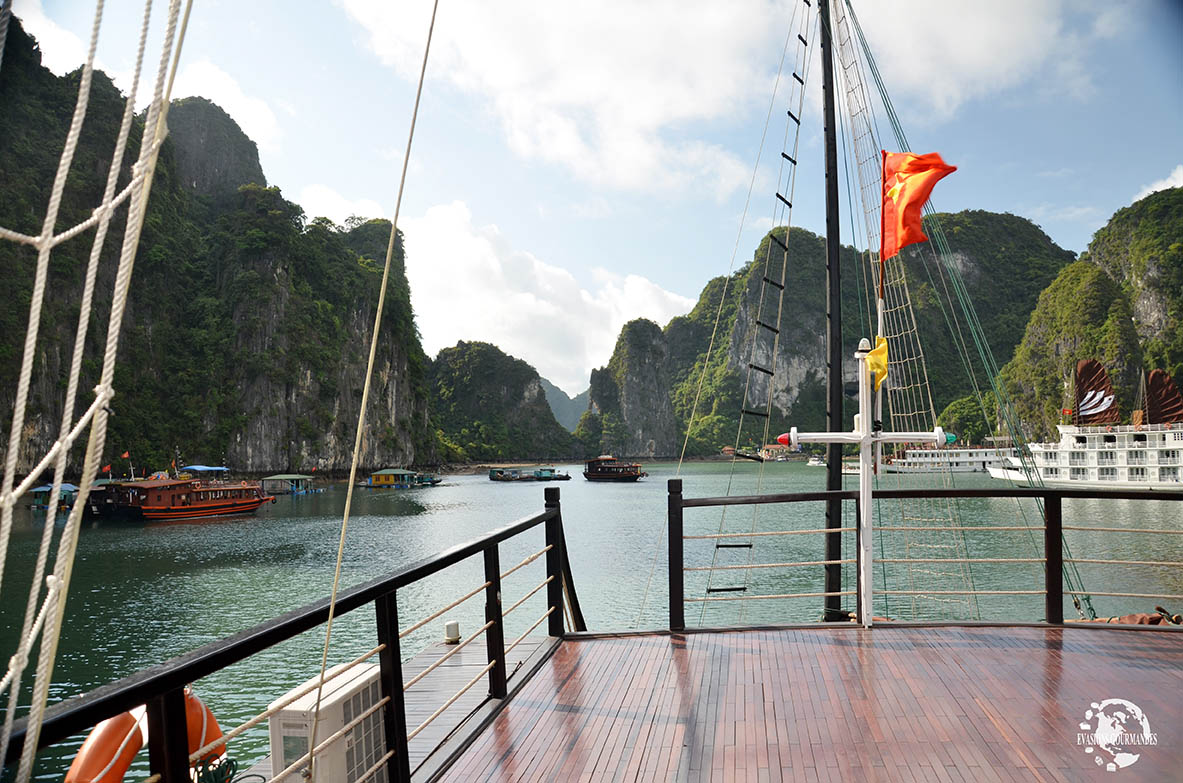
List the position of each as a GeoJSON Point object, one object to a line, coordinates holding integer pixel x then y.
{"type": "Point", "coordinates": [528, 595]}
{"type": "Point", "coordinates": [962, 592]}
{"type": "Point", "coordinates": [772, 565]}
{"type": "Point", "coordinates": [1128, 595]}
{"type": "Point", "coordinates": [439, 613]}
{"type": "Point", "coordinates": [769, 597]}
{"type": "Point", "coordinates": [1121, 530]}
{"type": "Point", "coordinates": [1170, 563]}
{"type": "Point", "coordinates": [452, 700]}
{"type": "Point", "coordinates": [529, 560]}
{"type": "Point", "coordinates": [439, 661]}
{"type": "Point", "coordinates": [530, 630]}
{"type": "Point", "coordinates": [773, 533]}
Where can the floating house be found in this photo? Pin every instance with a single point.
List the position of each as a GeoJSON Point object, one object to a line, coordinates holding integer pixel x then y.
{"type": "Point", "coordinates": [289, 484]}
{"type": "Point", "coordinates": [65, 497]}
{"type": "Point", "coordinates": [392, 478]}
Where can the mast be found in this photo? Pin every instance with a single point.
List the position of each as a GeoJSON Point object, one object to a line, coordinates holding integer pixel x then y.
{"type": "Point", "coordinates": [833, 579]}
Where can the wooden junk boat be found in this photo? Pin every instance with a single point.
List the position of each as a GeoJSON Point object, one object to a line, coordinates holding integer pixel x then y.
{"type": "Point", "coordinates": [175, 498]}
{"type": "Point", "coordinates": [608, 468]}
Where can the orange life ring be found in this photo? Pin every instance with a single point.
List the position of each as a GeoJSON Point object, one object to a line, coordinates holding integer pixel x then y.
{"type": "Point", "coordinates": [1109, 429]}
{"type": "Point", "coordinates": [112, 745]}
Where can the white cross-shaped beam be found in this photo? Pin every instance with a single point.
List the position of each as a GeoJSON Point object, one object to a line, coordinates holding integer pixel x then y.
{"type": "Point", "coordinates": [866, 438]}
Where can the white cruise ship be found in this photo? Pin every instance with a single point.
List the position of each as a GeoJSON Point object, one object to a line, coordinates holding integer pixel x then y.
{"type": "Point", "coordinates": [948, 460]}
{"type": "Point", "coordinates": [1149, 456]}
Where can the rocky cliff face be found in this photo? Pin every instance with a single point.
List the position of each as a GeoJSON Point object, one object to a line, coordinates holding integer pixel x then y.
{"type": "Point", "coordinates": [246, 333]}
{"type": "Point", "coordinates": [213, 155]}
{"type": "Point", "coordinates": [634, 395]}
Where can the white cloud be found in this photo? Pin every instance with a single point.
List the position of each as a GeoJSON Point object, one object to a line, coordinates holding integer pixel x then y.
{"type": "Point", "coordinates": [1172, 180]}
{"type": "Point", "coordinates": [253, 115]}
{"type": "Point", "coordinates": [1046, 211]}
{"type": "Point", "coordinates": [323, 201]}
{"type": "Point", "coordinates": [604, 89]}
{"type": "Point", "coordinates": [468, 282]}
{"type": "Point", "coordinates": [61, 50]}
{"type": "Point", "coordinates": [942, 54]}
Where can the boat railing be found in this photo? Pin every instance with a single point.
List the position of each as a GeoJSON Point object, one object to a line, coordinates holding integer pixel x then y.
{"type": "Point", "coordinates": [1052, 557]}
{"type": "Point", "coordinates": [161, 688]}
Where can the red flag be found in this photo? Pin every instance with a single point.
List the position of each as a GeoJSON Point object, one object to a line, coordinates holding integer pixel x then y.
{"type": "Point", "coordinates": [106, 469]}
{"type": "Point", "coordinates": [1066, 411]}
{"type": "Point", "coordinates": [907, 182]}
{"type": "Point", "coordinates": [126, 455]}
{"type": "Point", "coordinates": [314, 469]}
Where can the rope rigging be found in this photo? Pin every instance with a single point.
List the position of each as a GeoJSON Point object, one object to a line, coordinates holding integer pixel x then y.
{"type": "Point", "coordinates": [46, 622]}
{"type": "Point", "coordinates": [944, 257]}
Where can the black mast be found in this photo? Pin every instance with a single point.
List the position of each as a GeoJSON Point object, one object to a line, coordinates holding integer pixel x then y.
{"type": "Point", "coordinates": [833, 581]}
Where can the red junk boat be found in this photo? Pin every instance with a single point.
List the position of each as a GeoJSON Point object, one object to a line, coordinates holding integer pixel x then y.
{"type": "Point", "coordinates": [161, 499]}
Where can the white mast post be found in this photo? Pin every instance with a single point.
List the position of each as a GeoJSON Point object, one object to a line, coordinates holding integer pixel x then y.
{"type": "Point", "coordinates": [867, 439]}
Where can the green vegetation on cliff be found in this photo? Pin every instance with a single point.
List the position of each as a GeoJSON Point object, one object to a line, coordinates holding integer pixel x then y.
{"type": "Point", "coordinates": [1083, 314]}
{"type": "Point", "coordinates": [245, 332]}
{"type": "Point", "coordinates": [490, 406]}
{"type": "Point", "coordinates": [1142, 248]}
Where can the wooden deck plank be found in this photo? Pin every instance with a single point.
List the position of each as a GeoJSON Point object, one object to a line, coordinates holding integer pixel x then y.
{"type": "Point", "coordinates": [929, 704]}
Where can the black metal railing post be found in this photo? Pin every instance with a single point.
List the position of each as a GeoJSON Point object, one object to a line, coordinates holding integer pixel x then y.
{"type": "Point", "coordinates": [168, 737]}
{"type": "Point", "coordinates": [1053, 551]}
{"type": "Point", "coordinates": [394, 713]}
{"type": "Point", "coordinates": [554, 563]}
{"type": "Point", "coordinates": [677, 578]}
{"type": "Point", "coordinates": [495, 635]}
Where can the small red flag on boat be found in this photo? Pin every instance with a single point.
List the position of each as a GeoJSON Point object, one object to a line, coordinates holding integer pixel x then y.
{"type": "Point", "coordinates": [125, 455]}
{"type": "Point", "coordinates": [1066, 411]}
{"type": "Point", "coordinates": [908, 181]}
{"type": "Point", "coordinates": [313, 469]}
{"type": "Point", "coordinates": [106, 469]}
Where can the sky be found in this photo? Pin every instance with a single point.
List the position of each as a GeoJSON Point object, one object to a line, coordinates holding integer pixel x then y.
{"type": "Point", "coordinates": [578, 164]}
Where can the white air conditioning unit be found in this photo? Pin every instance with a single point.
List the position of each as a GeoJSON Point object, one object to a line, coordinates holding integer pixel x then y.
{"type": "Point", "coordinates": [344, 698]}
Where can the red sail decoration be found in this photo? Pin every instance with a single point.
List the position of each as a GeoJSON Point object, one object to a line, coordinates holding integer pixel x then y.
{"type": "Point", "coordinates": [1164, 404]}
{"type": "Point", "coordinates": [908, 181]}
{"type": "Point", "coordinates": [1095, 401]}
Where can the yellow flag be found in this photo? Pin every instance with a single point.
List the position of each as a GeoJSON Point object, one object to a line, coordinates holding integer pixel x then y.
{"type": "Point", "coordinates": [877, 361]}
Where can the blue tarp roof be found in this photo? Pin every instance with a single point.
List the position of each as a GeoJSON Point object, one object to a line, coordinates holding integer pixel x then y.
{"type": "Point", "coordinates": [202, 467]}
{"type": "Point", "coordinates": [48, 487]}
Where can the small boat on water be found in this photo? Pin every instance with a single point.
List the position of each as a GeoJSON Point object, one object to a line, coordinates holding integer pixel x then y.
{"type": "Point", "coordinates": [816, 462]}
{"type": "Point", "coordinates": [607, 468]}
{"type": "Point", "coordinates": [516, 474]}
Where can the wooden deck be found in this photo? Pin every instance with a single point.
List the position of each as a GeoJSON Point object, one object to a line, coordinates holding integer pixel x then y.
{"type": "Point", "coordinates": [828, 704]}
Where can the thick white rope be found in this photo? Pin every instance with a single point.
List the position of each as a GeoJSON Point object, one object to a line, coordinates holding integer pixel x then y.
{"type": "Point", "coordinates": [365, 394]}
{"type": "Point", "coordinates": [103, 215]}
{"type": "Point", "coordinates": [154, 132]}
